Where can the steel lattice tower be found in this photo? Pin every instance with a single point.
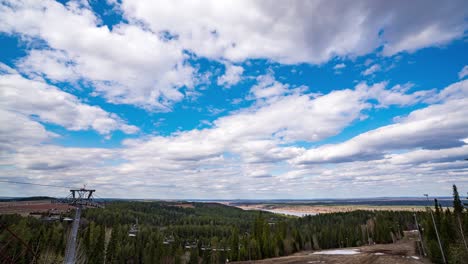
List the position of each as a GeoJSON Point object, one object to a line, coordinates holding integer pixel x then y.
{"type": "Point", "coordinates": [81, 198]}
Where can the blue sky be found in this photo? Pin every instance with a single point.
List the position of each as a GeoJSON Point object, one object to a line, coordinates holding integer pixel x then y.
{"type": "Point", "coordinates": [234, 99]}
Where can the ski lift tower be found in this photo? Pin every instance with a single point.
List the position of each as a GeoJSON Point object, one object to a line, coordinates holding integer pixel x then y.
{"type": "Point", "coordinates": [80, 198]}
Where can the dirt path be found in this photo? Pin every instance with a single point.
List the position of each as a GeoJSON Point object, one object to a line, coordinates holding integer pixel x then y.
{"type": "Point", "coordinates": [398, 253]}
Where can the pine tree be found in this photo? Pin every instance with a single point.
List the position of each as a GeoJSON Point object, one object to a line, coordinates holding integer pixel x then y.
{"type": "Point", "coordinates": [458, 210]}
{"type": "Point", "coordinates": [234, 245]}
{"type": "Point", "coordinates": [457, 204]}
{"type": "Point", "coordinates": [112, 246]}
{"type": "Point", "coordinates": [99, 251]}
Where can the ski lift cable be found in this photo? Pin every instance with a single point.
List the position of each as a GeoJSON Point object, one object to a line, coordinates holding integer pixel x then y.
{"type": "Point", "coordinates": [38, 184]}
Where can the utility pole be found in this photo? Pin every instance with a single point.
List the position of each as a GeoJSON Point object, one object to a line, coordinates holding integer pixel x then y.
{"type": "Point", "coordinates": [437, 232]}
{"type": "Point", "coordinates": [420, 236]}
{"type": "Point", "coordinates": [461, 232]}
{"type": "Point", "coordinates": [248, 243]}
{"type": "Point", "coordinates": [368, 235]}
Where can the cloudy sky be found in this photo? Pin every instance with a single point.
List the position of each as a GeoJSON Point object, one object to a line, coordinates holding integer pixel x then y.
{"type": "Point", "coordinates": [234, 99]}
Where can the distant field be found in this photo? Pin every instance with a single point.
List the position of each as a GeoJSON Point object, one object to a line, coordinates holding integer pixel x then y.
{"type": "Point", "coordinates": [301, 210]}
{"type": "Point", "coordinates": [325, 206]}
{"type": "Point", "coordinates": [389, 201]}
{"type": "Point", "coordinates": [26, 207]}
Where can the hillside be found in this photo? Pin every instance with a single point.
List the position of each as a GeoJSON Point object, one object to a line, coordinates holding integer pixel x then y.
{"type": "Point", "coordinates": [191, 232]}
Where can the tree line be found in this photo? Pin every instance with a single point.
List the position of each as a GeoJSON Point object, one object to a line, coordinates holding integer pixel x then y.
{"type": "Point", "coordinates": [214, 233]}
{"type": "Point", "coordinates": [452, 226]}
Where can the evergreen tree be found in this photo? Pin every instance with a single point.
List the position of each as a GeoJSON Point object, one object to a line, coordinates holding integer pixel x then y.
{"type": "Point", "coordinates": [458, 210]}
{"type": "Point", "coordinates": [234, 245]}
{"type": "Point", "coordinates": [457, 204]}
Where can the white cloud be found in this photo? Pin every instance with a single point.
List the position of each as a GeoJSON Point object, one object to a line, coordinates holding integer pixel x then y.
{"type": "Point", "coordinates": [268, 87]}
{"type": "Point", "coordinates": [430, 156]}
{"type": "Point", "coordinates": [133, 63]}
{"type": "Point", "coordinates": [59, 158]}
{"type": "Point", "coordinates": [249, 136]}
{"type": "Point", "coordinates": [371, 70]}
{"type": "Point", "coordinates": [273, 118]}
{"type": "Point", "coordinates": [235, 29]}
{"type": "Point", "coordinates": [229, 177]}
{"type": "Point", "coordinates": [127, 64]}
{"type": "Point", "coordinates": [434, 127]}
{"type": "Point", "coordinates": [431, 35]}
{"type": "Point", "coordinates": [232, 75]}
{"type": "Point", "coordinates": [227, 159]}
{"type": "Point", "coordinates": [339, 66]}
{"type": "Point", "coordinates": [458, 90]}
{"type": "Point", "coordinates": [256, 135]}
{"type": "Point", "coordinates": [55, 65]}
{"type": "Point", "coordinates": [396, 95]}
{"type": "Point", "coordinates": [18, 130]}
{"type": "Point", "coordinates": [463, 72]}
{"type": "Point", "coordinates": [36, 98]}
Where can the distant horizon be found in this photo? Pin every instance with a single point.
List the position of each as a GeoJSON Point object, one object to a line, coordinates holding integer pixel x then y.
{"type": "Point", "coordinates": [245, 199]}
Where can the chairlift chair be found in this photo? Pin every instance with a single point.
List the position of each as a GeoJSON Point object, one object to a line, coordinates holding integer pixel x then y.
{"type": "Point", "coordinates": [133, 229]}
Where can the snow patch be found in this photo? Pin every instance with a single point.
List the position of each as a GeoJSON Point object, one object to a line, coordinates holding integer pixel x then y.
{"type": "Point", "coordinates": [338, 252]}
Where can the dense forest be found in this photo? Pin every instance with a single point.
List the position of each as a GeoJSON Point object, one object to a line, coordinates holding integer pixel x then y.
{"type": "Point", "coordinates": [172, 232]}
{"type": "Point", "coordinates": [452, 226]}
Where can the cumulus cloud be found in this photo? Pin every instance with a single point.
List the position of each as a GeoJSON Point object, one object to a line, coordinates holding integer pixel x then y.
{"type": "Point", "coordinates": [231, 76]}
{"type": "Point", "coordinates": [434, 127]}
{"type": "Point", "coordinates": [17, 130]}
{"type": "Point", "coordinates": [246, 143]}
{"type": "Point", "coordinates": [126, 64]}
{"type": "Point", "coordinates": [430, 156]}
{"type": "Point", "coordinates": [144, 62]}
{"type": "Point", "coordinates": [272, 118]}
{"type": "Point", "coordinates": [256, 143]}
{"type": "Point", "coordinates": [235, 29]}
{"type": "Point", "coordinates": [252, 143]}
{"type": "Point", "coordinates": [458, 90]}
{"type": "Point", "coordinates": [396, 95]}
{"type": "Point", "coordinates": [49, 104]}
{"type": "Point", "coordinates": [230, 178]}
{"type": "Point", "coordinates": [56, 157]}
{"type": "Point", "coordinates": [267, 87]}
{"type": "Point", "coordinates": [253, 133]}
